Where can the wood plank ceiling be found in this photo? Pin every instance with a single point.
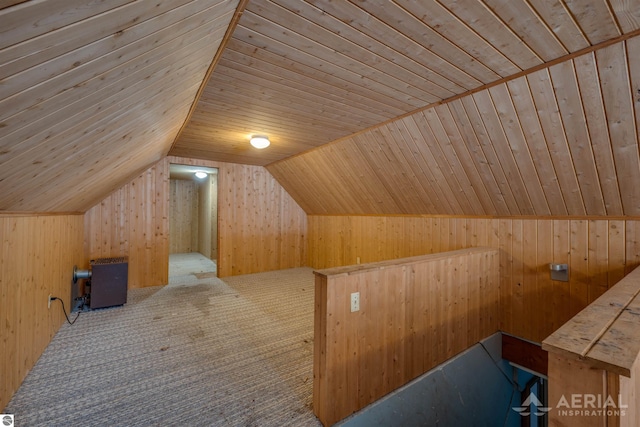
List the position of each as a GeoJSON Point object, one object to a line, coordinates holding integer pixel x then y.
{"type": "Point", "coordinates": [456, 107]}
{"type": "Point", "coordinates": [93, 92]}
{"type": "Point", "coordinates": [310, 72]}
{"type": "Point", "coordinates": [559, 141]}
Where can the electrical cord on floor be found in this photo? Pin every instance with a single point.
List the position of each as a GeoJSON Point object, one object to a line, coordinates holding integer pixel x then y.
{"type": "Point", "coordinates": [64, 310]}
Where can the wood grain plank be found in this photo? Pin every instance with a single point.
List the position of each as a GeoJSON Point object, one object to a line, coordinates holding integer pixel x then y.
{"type": "Point", "coordinates": [561, 290]}
{"type": "Point", "coordinates": [543, 307]}
{"type": "Point", "coordinates": [457, 143]}
{"type": "Point", "coordinates": [598, 247]}
{"type": "Point", "coordinates": [450, 27]}
{"type": "Point", "coordinates": [596, 20]}
{"type": "Point", "coordinates": [31, 19]}
{"type": "Point", "coordinates": [487, 24]}
{"type": "Point", "coordinates": [435, 196]}
{"type": "Point", "coordinates": [568, 97]}
{"type": "Point", "coordinates": [456, 195]}
{"type": "Point", "coordinates": [616, 256]}
{"type": "Point", "coordinates": [579, 261]}
{"type": "Point", "coordinates": [414, 29]}
{"type": "Point", "coordinates": [93, 37]}
{"type": "Point", "coordinates": [329, 58]}
{"type": "Point", "coordinates": [445, 75]}
{"type": "Point", "coordinates": [456, 159]}
{"type": "Point", "coordinates": [548, 112]}
{"type": "Point", "coordinates": [595, 115]}
{"type": "Point", "coordinates": [418, 136]}
{"type": "Point", "coordinates": [347, 40]}
{"type": "Point", "coordinates": [37, 256]}
{"type": "Point", "coordinates": [556, 15]}
{"type": "Point", "coordinates": [402, 148]}
{"type": "Point", "coordinates": [632, 245]}
{"type": "Point", "coordinates": [519, 148]}
{"type": "Point", "coordinates": [489, 183]}
{"type": "Point", "coordinates": [365, 354]}
{"type": "Point", "coordinates": [491, 119]}
{"type": "Point", "coordinates": [618, 103]}
{"type": "Point", "coordinates": [627, 14]}
{"type": "Point", "coordinates": [63, 79]}
{"type": "Point", "coordinates": [528, 25]}
{"type": "Point", "coordinates": [522, 99]}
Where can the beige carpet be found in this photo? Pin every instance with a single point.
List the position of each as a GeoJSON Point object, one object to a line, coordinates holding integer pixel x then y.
{"type": "Point", "coordinates": [198, 352]}
{"type": "Point", "coordinates": [191, 263]}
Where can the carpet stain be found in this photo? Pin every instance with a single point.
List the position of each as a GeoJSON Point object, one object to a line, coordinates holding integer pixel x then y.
{"type": "Point", "coordinates": [208, 275]}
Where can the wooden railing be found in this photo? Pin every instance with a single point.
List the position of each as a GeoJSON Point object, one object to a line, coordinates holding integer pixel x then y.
{"type": "Point", "coordinates": [594, 368]}
{"type": "Point", "coordinates": [414, 313]}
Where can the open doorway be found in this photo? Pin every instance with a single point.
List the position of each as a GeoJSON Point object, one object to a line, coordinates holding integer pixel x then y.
{"type": "Point", "coordinates": [193, 220]}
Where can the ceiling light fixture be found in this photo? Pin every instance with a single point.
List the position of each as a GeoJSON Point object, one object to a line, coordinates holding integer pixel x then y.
{"type": "Point", "coordinates": [260, 141]}
{"type": "Point", "coordinates": [201, 175]}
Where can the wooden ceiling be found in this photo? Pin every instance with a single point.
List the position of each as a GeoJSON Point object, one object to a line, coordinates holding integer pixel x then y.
{"type": "Point", "coordinates": [309, 72]}
{"type": "Point", "coordinates": [469, 107]}
{"type": "Point", "coordinates": [560, 141]}
{"type": "Point", "coordinates": [92, 93]}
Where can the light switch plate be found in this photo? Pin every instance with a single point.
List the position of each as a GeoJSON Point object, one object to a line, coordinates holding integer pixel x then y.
{"type": "Point", "coordinates": [355, 301]}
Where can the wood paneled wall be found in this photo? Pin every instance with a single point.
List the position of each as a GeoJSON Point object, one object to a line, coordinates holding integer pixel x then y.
{"type": "Point", "coordinates": [208, 216]}
{"type": "Point", "coordinates": [414, 314]}
{"type": "Point", "coordinates": [133, 222]}
{"type": "Point", "coordinates": [37, 255]}
{"type": "Point", "coordinates": [184, 214]}
{"type": "Point", "coordinates": [599, 253]}
{"type": "Point", "coordinates": [213, 201]}
{"type": "Point", "coordinates": [261, 228]}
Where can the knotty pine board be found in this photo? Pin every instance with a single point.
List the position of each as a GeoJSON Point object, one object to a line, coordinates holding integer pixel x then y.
{"type": "Point", "coordinates": [599, 253]}
{"type": "Point", "coordinates": [37, 256]}
{"type": "Point", "coordinates": [260, 227]}
{"type": "Point", "coordinates": [414, 314]}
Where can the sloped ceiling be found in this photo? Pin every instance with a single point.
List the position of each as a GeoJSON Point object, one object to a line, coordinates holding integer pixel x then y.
{"type": "Point", "coordinates": [309, 72]}
{"type": "Point", "coordinates": [559, 141]}
{"type": "Point", "coordinates": [91, 93]}
{"type": "Point", "coordinates": [470, 107]}
{"type": "Point", "coordinates": [518, 107]}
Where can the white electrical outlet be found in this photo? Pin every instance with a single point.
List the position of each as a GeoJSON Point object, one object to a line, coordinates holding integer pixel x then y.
{"type": "Point", "coordinates": [355, 301]}
{"type": "Point", "coordinates": [357, 260]}
{"type": "Point", "coordinates": [49, 301]}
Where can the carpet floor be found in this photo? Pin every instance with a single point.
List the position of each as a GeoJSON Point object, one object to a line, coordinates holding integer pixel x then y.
{"type": "Point", "coordinates": [198, 352]}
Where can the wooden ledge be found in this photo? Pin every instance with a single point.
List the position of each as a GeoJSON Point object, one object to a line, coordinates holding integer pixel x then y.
{"type": "Point", "coordinates": [525, 353]}
{"type": "Point", "coordinates": [371, 266]}
{"type": "Point", "coordinates": [606, 334]}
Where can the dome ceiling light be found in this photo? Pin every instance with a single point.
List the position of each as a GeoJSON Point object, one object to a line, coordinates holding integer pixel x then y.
{"type": "Point", "coordinates": [260, 141]}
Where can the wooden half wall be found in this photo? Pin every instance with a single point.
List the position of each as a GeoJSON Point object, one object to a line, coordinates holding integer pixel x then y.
{"type": "Point", "coordinates": [414, 313]}
{"type": "Point", "coordinates": [37, 255]}
{"type": "Point", "coordinates": [260, 227]}
{"type": "Point", "coordinates": [594, 361]}
{"type": "Point", "coordinates": [599, 253]}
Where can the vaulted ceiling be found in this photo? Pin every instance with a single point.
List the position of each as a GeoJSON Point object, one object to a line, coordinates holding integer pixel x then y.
{"type": "Point", "coordinates": [467, 107]}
